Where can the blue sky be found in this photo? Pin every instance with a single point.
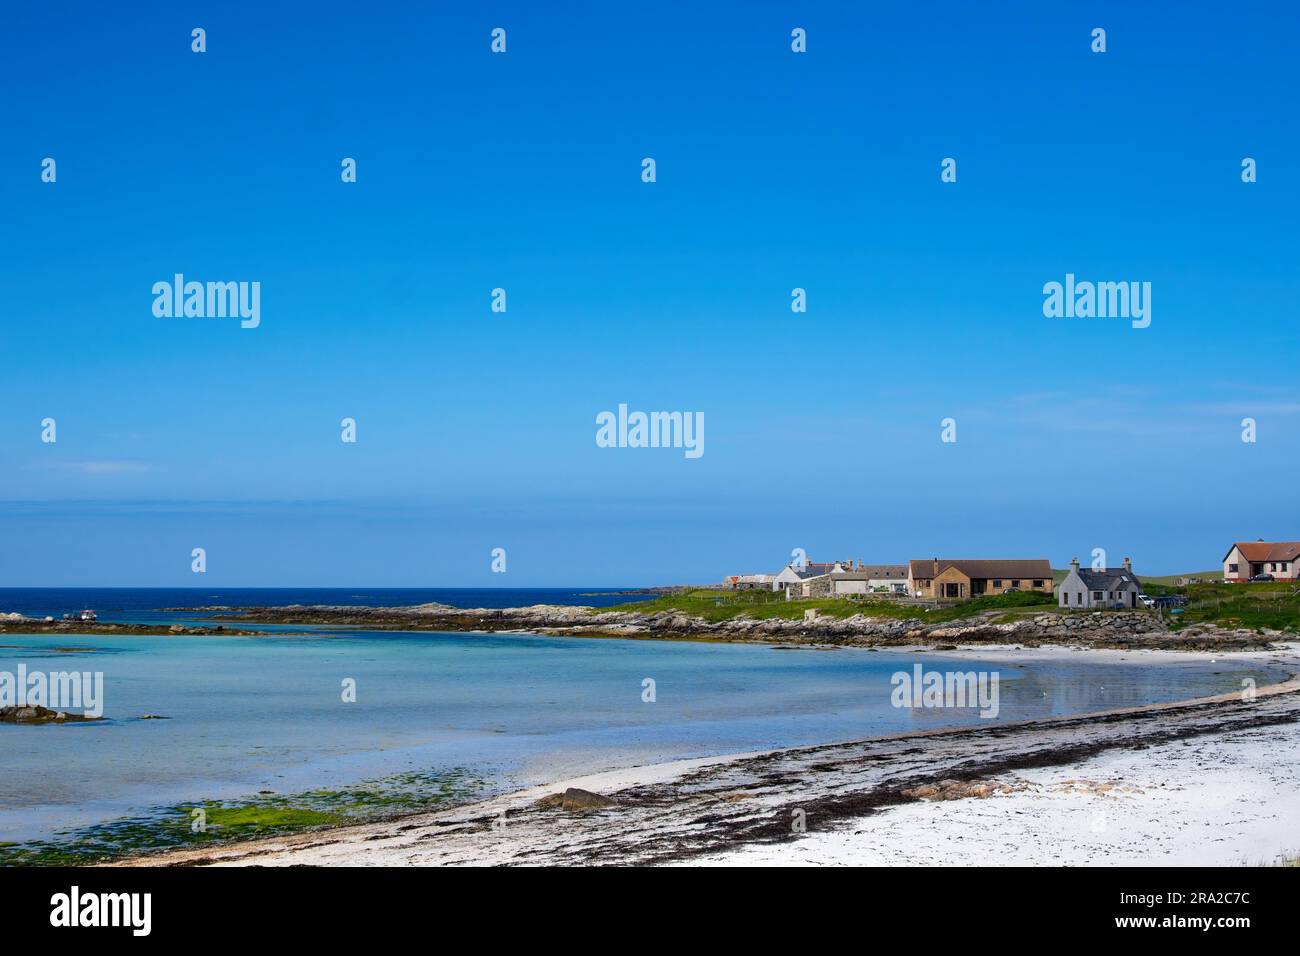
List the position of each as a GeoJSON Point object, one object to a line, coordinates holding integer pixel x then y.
{"type": "Point", "coordinates": [775, 170]}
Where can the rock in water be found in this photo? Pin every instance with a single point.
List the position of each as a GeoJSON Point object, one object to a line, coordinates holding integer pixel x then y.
{"type": "Point", "coordinates": [34, 714]}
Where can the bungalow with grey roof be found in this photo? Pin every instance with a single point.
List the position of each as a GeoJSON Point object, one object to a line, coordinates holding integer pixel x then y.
{"type": "Point", "coordinates": [1104, 588]}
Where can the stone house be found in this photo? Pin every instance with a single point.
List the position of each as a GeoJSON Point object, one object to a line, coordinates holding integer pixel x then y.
{"type": "Point", "coordinates": [1095, 589]}
{"type": "Point", "coordinates": [794, 574]}
{"type": "Point", "coordinates": [960, 579]}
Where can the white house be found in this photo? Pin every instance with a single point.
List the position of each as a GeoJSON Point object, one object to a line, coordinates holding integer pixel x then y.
{"type": "Point", "coordinates": [1109, 588]}
{"type": "Point", "coordinates": [809, 584]}
{"type": "Point", "coordinates": [794, 574]}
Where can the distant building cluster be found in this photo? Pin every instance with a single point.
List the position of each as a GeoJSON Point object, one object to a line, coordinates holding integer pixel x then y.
{"type": "Point", "coordinates": [954, 579]}
{"type": "Point", "coordinates": [962, 579]}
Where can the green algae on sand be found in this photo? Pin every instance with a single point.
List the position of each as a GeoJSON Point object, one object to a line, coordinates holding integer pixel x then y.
{"type": "Point", "coordinates": [215, 822]}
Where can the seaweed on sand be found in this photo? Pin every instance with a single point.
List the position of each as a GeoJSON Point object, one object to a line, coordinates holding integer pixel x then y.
{"type": "Point", "coordinates": [213, 822]}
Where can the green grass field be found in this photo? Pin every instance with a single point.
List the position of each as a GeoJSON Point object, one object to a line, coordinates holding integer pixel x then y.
{"type": "Point", "coordinates": [1255, 606]}
{"type": "Point", "coordinates": [761, 605]}
{"type": "Point", "coordinates": [1274, 605]}
{"type": "Point", "coordinates": [1171, 580]}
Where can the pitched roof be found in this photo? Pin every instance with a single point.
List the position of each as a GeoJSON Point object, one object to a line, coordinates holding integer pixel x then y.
{"type": "Point", "coordinates": [808, 572]}
{"type": "Point", "coordinates": [1110, 579]}
{"type": "Point", "coordinates": [1267, 550]}
{"type": "Point", "coordinates": [984, 568]}
{"type": "Point", "coordinates": [872, 572]}
{"type": "Point", "coordinates": [883, 570]}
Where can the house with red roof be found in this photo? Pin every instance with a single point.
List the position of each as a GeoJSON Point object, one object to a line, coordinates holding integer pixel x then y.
{"type": "Point", "coordinates": [1246, 559]}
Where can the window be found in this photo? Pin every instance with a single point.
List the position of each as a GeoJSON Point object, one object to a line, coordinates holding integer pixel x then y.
{"type": "Point", "coordinates": [1232, 568]}
{"type": "Point", "coordinates": [1015, 584]}
{"type": "Point", "coordinates": [1038, 583]}
{"type": "Point", "coordinates": [997, 583]}
{"type": "Point", "coordinates": [1283, 565]}
{"type": "Point", "coordinates": [1096, 595]}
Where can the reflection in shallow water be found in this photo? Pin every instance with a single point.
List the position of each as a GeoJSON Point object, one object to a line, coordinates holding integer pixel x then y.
{"type": "Point", "coordinates": [250, 714]}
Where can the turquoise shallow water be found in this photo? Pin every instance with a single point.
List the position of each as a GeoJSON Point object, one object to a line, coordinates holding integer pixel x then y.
{"type": "Point", "coordinates": [266, 713]}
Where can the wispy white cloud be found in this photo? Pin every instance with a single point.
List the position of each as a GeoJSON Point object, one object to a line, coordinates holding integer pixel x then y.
{"type": "Point", "coordinates": [100, 466]}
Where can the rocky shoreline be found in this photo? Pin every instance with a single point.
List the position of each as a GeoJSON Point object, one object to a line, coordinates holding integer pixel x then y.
{"type": "Point", "coordinates": [1123, 630]}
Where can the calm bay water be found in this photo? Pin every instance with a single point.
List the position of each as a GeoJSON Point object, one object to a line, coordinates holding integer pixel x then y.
{"type": "Point", "coordinates": [254, 713]}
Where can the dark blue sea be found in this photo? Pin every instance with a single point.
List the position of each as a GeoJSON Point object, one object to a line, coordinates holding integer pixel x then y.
{"type": "Point", "coordinates": [146, 604]}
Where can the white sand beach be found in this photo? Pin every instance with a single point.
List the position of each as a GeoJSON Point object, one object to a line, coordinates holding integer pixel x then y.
{"type": "Point", "coordinates": [1226, 800]}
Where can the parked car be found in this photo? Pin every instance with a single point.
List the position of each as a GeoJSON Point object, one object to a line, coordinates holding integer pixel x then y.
{"type": "Point", "coordinates": [1262, 577]}
{"type": "Point", "coordinates": [1147, 601]}
{"type": "Point", "coordinates": [1169, 601]}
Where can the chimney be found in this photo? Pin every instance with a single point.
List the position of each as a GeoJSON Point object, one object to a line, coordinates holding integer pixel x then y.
{"type": "Point", "coordinates": [1074, 564]}
{"type": "Point", "coordinates": [936, 567]}
{"type": "Point", "coordinates": [1128, 565]}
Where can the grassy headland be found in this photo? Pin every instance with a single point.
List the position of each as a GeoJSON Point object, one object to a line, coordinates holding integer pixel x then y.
{"type": "Point", "coordinates": [715, 606]}
{"type": "Point", "coordinates": [1273, 605]}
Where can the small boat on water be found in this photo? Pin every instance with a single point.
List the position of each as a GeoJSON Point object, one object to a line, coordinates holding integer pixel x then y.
{"type": "Point", "coordinates": [87, 617]}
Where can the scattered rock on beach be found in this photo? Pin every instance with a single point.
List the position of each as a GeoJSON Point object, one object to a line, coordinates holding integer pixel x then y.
{"type": "Point", "coordinates": [1097, 788]}
{"type": "Point", "coordinates": [575, 799]}
{"type": "Point", "coordinates": [959, 789]}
